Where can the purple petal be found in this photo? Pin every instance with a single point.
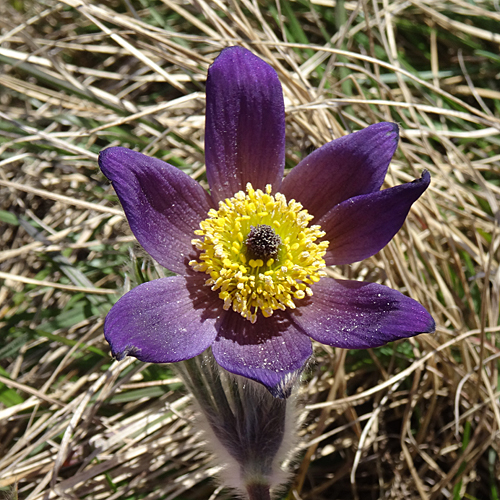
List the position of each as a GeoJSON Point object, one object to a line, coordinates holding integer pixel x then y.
{"type": "Point", "coordinates": [349, 166]}
{"type": "Point", "coordinates": [165, 320]}
{"type": "Point", "coordinates": [163, 205]}
{"type": "Point", "coordinates": [245, 124]}
{"type": "Point", "coordinates": [357, 315]}
{"type": "Point", "coordinates": [358, 228]}
{"type": "Point", "coordinates": [272, 351]}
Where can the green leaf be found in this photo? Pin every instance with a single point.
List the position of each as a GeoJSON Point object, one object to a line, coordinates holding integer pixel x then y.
{"type": "Point", "coordinates": [8, 396]}
{"type": "Point", "coordinates": [79, 311]}
{"type": "Point", "coordinates": [8, 217]}
{"type": "Point", "coordinates": [70, 342]}
{"type": "Point", "coordinates": [12, 348]}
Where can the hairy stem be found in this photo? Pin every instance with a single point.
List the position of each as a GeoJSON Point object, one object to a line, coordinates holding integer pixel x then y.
{"type": "Point", "coordinates": [258, 491]}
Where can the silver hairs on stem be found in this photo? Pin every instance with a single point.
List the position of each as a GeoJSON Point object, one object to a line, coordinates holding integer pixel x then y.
{"type": "Point", "coordinates": [251, 432]}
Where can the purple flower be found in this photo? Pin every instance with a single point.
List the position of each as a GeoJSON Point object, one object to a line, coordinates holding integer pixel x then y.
{"type": "Point", "coordinates": [250, 280]}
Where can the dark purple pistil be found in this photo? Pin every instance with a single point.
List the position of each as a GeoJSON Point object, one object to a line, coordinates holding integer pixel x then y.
{"type": "Point", "coordinates": [262, 242]}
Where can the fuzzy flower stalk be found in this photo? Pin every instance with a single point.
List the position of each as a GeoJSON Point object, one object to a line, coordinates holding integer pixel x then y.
{"type": "Point", "coordinates": [250, 255]}
{"type": "Point", "coordinates": [251, 432]}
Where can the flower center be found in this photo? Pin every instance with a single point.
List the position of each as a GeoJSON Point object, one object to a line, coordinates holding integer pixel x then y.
{"type": "Point", "coordinates": [262, 242]}
{"type": "Point", "coordinates": [259, 252]}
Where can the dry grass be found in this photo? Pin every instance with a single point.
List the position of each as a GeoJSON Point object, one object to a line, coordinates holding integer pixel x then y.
{"type": "Point", "coordinates": [418, 419]}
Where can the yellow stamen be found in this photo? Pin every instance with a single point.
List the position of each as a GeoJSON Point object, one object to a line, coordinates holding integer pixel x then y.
{"type": "Point", "coordinates": [249, 284]}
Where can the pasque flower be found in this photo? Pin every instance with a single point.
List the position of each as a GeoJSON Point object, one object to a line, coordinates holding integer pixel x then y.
{"type": "Point", "coordinates": [250, 279]}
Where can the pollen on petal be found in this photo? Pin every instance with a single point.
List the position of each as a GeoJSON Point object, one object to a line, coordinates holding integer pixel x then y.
{"type": "Point", "coordinates": [260, 252]}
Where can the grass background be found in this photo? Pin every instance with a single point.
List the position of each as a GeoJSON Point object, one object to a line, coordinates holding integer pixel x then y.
{"type": "Point", "coordinates": [415, 419]}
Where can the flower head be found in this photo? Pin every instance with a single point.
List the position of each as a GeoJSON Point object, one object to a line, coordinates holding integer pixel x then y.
{"type": "Point", "coordinates": [249, 263]}
{"type": "Point", "coordinates": [261, 267]}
